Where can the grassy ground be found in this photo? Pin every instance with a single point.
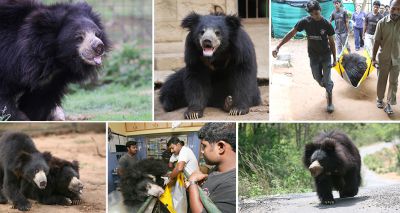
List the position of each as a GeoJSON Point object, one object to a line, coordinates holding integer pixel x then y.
{"type": "Point", "coordinates": [109, 102]}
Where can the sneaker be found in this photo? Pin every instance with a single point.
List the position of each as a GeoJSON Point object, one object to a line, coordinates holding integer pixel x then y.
{"type": "Point", "coordinates": [379, 104]}
{"type": "Point", "coordinates": [388, 109]}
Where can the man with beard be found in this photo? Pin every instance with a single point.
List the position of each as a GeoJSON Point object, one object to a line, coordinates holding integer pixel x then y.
{"type": "Point", "coordinates": [388, 39]}
{"type": "Point", "coordinates": [218, 142]}
{"type": "Point", "coordinates": [129, 158]}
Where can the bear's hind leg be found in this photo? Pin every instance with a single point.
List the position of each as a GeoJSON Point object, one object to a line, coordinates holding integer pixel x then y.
{"type": "Point", "coordinates": [351, 183]}
{"type": "Point", "coordinates": [172, 95]}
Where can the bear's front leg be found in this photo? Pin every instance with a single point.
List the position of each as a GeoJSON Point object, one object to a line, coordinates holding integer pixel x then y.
{"type": "Point", "coordinates": [10, 112]}
{"type": "Point", "coordinates": [242, 93]}
{"type": "Point", "coordinates": [324, 190]}
{"type": "Point", "coordinates": [197, 94]}
{"type": "Point", "coordinates": [12, 191]}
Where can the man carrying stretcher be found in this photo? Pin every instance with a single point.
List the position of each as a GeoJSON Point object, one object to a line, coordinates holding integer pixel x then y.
{"type": "Point", "coordinates": [321, 44]}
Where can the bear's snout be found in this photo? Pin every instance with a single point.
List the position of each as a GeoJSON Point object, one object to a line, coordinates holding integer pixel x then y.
{"type": "Point", "coordinates": [315, 168]}
{"type": "Point", "coordinates": [40, 179]}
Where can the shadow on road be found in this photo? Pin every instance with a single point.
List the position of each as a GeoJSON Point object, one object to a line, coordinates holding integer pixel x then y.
{"type": "Point", "coordinates": [344, 202]}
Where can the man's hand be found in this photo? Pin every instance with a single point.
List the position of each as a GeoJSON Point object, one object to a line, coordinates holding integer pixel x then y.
{"type": "Point", "coordinates": [334, 63]}
{"type": "Point", "coordinates": [275, 52]}
{"type": "Point", "coordinates": [197, 176]}
{"type": "Point", "coordinates": [375, 63]}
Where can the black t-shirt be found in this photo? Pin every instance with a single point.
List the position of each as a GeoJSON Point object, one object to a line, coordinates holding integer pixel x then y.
{"type": "Point", "coordinates": [371, 21]}
{"type": "Point", "coordinates": [221, 188]}
{"type": "Point", "coordinates": [317, 35]}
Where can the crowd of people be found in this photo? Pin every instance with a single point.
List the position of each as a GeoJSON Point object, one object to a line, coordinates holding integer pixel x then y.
{"type": "Point", "coordinates": [376, 31]}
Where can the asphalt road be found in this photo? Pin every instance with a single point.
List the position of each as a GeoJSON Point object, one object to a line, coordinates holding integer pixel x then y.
{"type": "Point", "coordinates": [376, 195]}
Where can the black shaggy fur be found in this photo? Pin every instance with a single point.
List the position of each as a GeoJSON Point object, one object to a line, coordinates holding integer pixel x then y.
{"type": "Point", "coordinates": [56, 192]}
{"type": "Point", "coordinates": [355, 66]}
{"type": "Point", "coordinates": [39, 57]}
{"type": "Point", "coordinates": [341, 164]}
{"type": "Point", "coordinates": [19, 161]}
{"type": "Point", "coordinates": [135, 179]}
{"type": "Point", "coordinates": [208, 81]}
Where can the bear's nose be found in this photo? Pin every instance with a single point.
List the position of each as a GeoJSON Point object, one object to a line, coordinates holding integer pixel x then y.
{"type": "Point", "coordinates": [43, 184]}
{"type": "Point", "coordinates": [207, 43]}
{"type": "Point", "coordinates": [98, 48]}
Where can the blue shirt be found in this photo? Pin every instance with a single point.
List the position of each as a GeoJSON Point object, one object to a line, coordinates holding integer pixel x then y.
{"type": "Point", "coordinates": [358, 18]}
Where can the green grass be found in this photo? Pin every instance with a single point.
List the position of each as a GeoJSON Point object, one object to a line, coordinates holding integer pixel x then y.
{"type": "Point", "coordinates": [110, 102]}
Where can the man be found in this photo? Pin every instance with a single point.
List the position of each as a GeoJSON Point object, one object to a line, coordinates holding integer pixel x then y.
{"type": "Point", "coordinates": [128, 158]}
{"type": "Point", "coordinates": [186, 162]}
{"type": "Point", "coordinates": [218, 141]}
{"type": "Point", "coordinates": [358, 19]}
{"type": "Point", "coordinates": [388, 39]}
{"type": "Point", "coordinates": [184, 156]}
{"type": "Point", "coordinates": [321, 45]}
{"type": "Point", "coordinates": [371, 20]}
{"type": "Point", "coordinates": [387, 9]}
{"type": "Point", "coordinates": [339, 15]}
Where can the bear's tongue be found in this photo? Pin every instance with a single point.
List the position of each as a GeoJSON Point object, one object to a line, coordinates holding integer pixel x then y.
{"type": "Point", "coordinates": [97, 60]}
{"type": "Point", "coordinates": [208, 51]}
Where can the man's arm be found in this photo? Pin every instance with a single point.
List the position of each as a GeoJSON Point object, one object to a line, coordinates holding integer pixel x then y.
{"type": "Point", "coordinates": [178, 168]}
{"type": "Point", "coordinates": [377, 42]}
{"type": "Point", "coordinates": [365, 26]}
{"type": "Point", "coordinates": [346, 23]}
{"type": "Point", "coordinates": [285, 39]}
{"type": "Point", "coordinates": [333, 48]}
{"type": "Point", "coordinates": [196, 206]}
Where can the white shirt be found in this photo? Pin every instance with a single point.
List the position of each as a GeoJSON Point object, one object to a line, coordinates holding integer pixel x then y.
{"type": "Point", "coordinates": [186, 155]}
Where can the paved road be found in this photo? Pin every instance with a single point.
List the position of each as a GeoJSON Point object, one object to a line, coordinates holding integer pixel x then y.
{"type": "Point", "coordinates": [377, 195]}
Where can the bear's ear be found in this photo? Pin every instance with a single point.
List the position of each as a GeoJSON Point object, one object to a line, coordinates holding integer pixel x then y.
{"type": "Point", "coordinates": [22, 159]}
{"type": "Point", "coordinates": [41, 32]}
{"type": "Point", "coordinates": [47, 156]}
{"type": "Point", "coordinates": [309, 149]}
{"type": "Point", "coordinates": [190, 20]}
{"type": "Point", "coordinates": [233, 21]}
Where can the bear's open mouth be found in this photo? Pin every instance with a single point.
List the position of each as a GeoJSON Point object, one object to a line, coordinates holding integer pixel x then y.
{"type": "Point", "coordinates": [208, 51]}
{"type": "Point", "coordinates": [91, 59]}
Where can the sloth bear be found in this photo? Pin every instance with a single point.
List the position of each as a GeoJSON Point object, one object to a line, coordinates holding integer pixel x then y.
{"type": "Point", "coordinates": [335, 163]}
{"type": "Point", "coordinates": [21, 161]}
{"type": "Point", "coordinates": [355, 66]}
{"type": "Point", "coordinates": [63, 184]}
{"type": "Point", "coordinates": [141, 180]}
{"type": "Point", "coordinates": [220, 71]}
{"type": "Point", "coordinates": [42, 50]}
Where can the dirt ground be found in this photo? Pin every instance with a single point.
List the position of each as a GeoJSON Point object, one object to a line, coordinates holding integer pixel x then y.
{"type": "Point", "coordinates": [295, 95]}
{"type": "Point", "coordinates": [81, 147]}
{"type": "Point", "coordinates": [260, 112]}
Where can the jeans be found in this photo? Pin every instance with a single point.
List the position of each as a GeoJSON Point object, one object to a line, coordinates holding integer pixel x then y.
{"type": "Point", "coordinates": [340, 42]}
{"type": "Point", "coordinates": [359, 42]}
{"type": "Point", "coordinates": [321, 70]}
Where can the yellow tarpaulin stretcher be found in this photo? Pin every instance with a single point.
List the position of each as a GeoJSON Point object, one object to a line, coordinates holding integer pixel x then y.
{"type": "Point", "coordinates": [342, 72]}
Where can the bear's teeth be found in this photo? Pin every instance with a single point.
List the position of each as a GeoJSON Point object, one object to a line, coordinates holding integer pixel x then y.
{"type": "Point", "coordinates": [208, 51]}
{"type": "Point", "coordinates": [97, 60]}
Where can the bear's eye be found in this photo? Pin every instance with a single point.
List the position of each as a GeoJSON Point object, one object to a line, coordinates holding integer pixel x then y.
{"type": "Point", "coordinates": [217, 32]}
{"type": "Point", "coordinates": [97, 34]}
{"type": "Point", "coordinates": [79, 38]}
{"type": "Point", "coordinates": [36, 171]}
{"type": "Point", "coordinates": [202, 32]}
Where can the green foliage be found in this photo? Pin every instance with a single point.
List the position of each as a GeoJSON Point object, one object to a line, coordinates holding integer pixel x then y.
{"type": "Point", "coordinates": [270, 155]}
{"type": "Point", "coordinates": [128, 65]}
{"type": "Point", "coordinates": [385, 161]}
